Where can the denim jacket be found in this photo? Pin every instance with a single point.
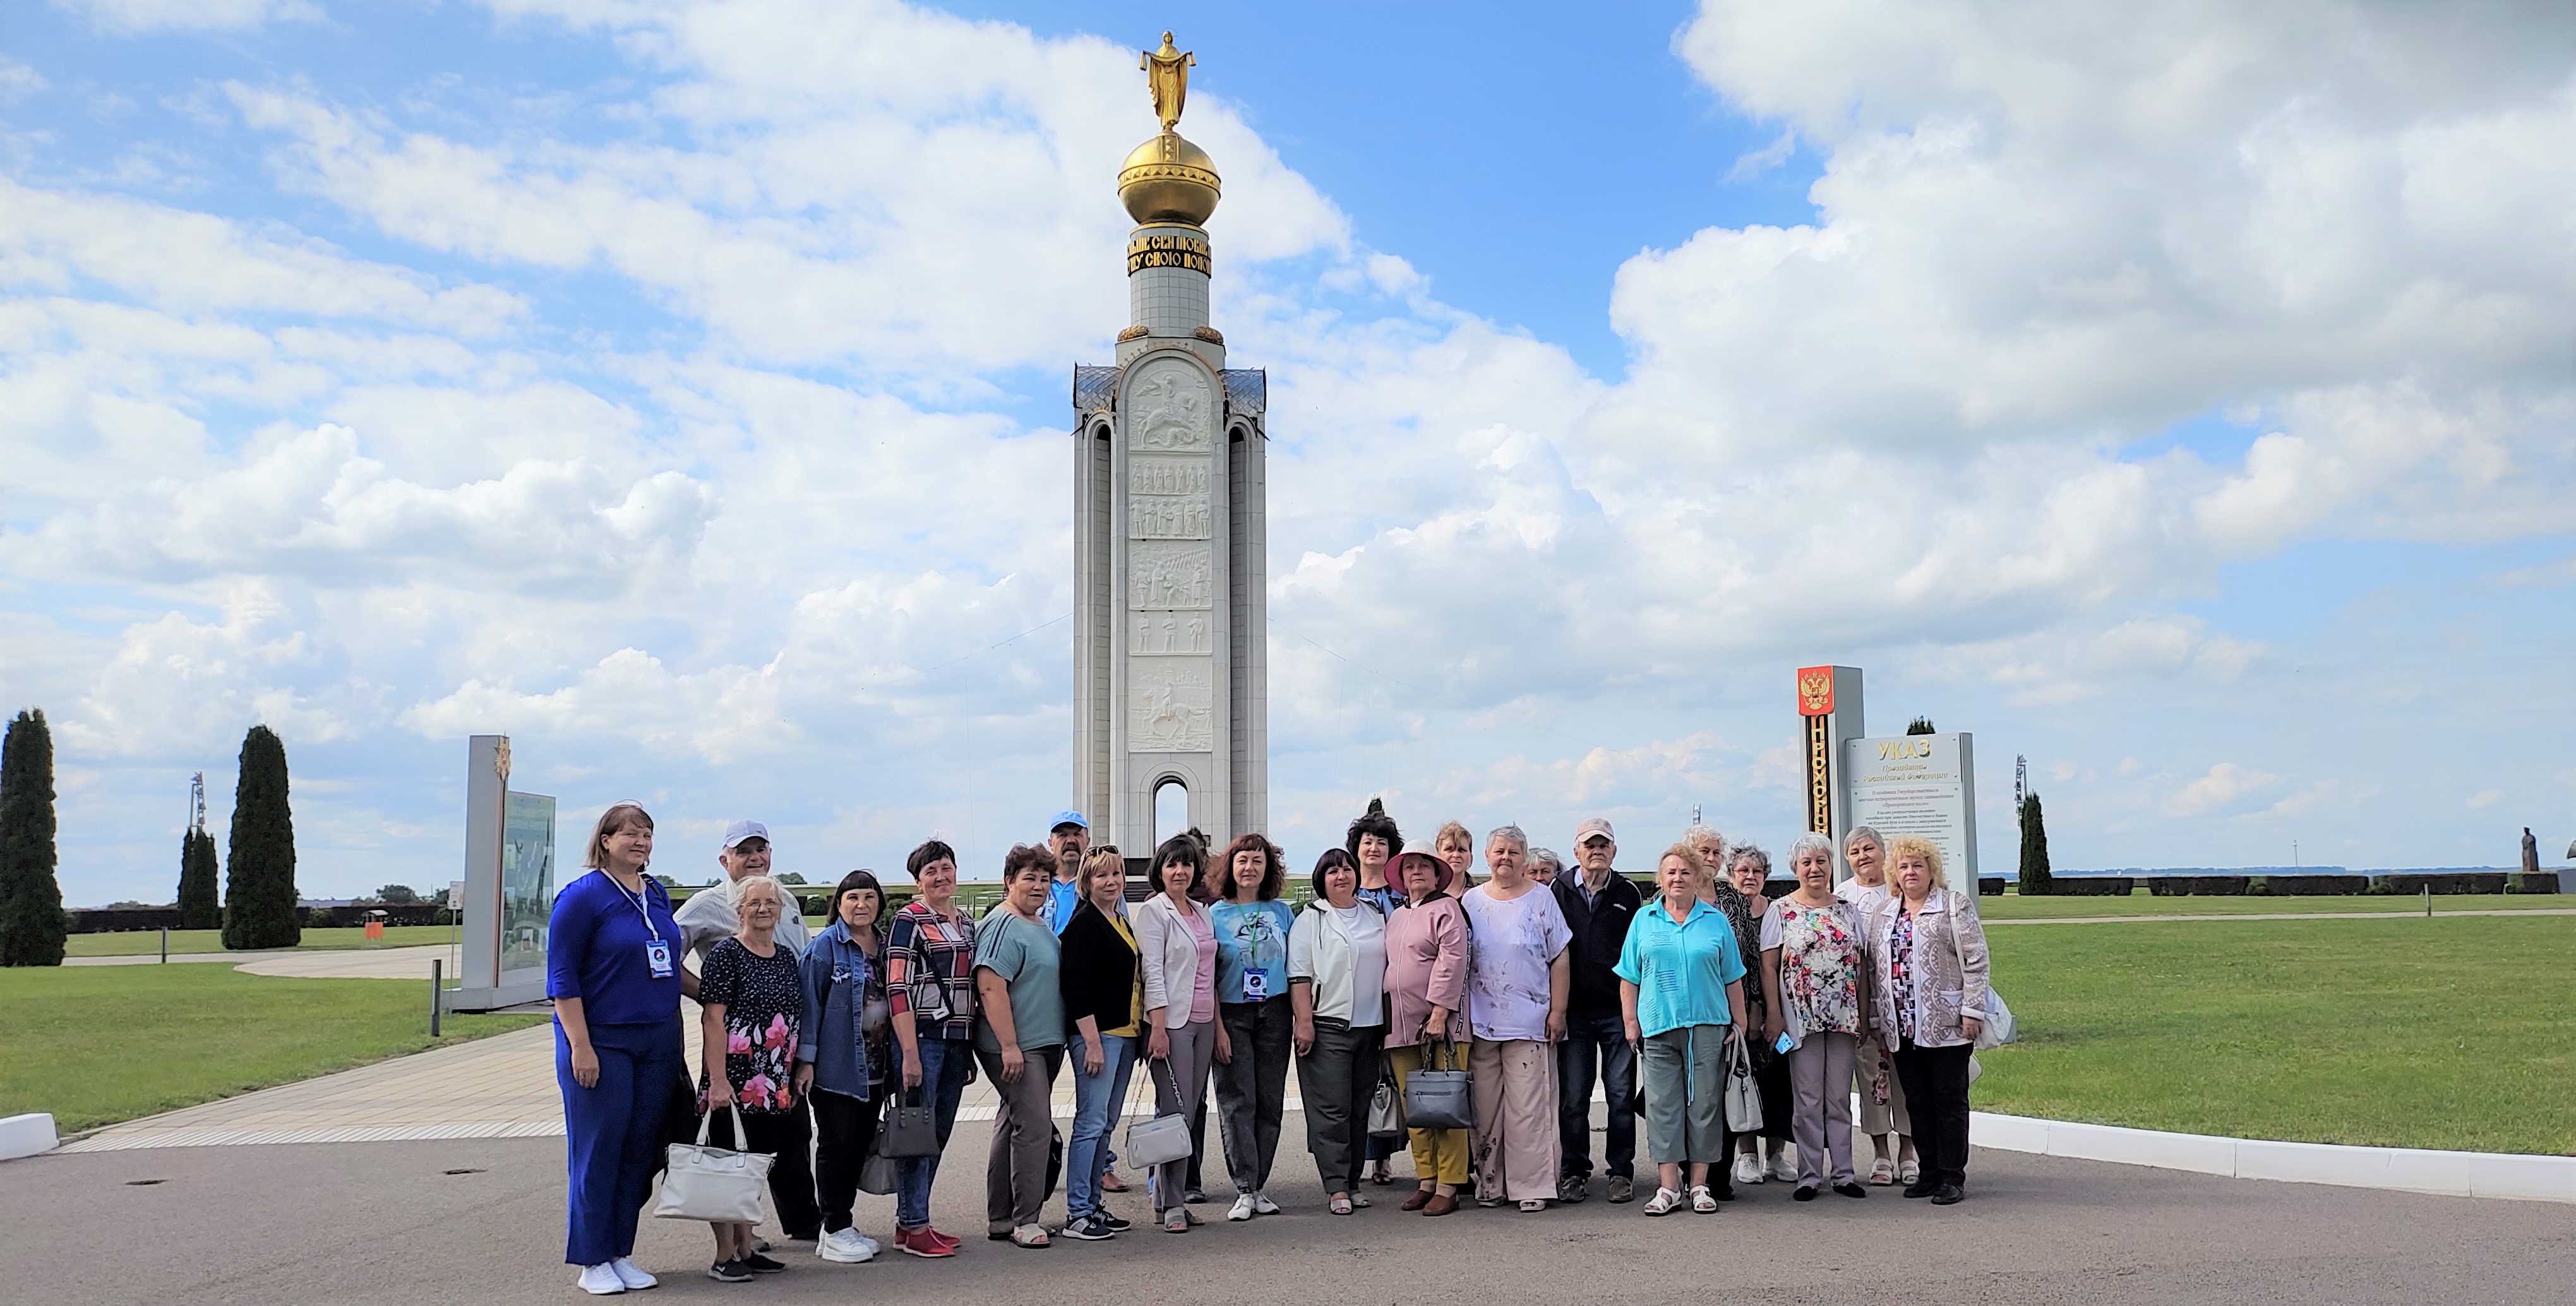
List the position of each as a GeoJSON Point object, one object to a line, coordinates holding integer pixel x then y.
{"type": "Point", "coordinates": [836, 973]}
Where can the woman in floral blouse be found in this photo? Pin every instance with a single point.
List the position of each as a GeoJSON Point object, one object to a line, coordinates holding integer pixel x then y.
{"type": "Point", "coordinates": [1811, 944]}
{"type": "Point", "coordinates": [751, 998]}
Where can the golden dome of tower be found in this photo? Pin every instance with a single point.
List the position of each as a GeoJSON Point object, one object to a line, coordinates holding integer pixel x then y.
{"type": "Point", "coordinates": [1168, 179]}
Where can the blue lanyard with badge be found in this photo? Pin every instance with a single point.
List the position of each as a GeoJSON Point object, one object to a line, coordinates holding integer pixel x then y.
{"type": "Point", "coordinates": [657, 950]}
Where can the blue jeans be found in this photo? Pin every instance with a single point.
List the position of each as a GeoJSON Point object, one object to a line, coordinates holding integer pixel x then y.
{"type": "Point", "coordinates": [1592, 1040]}
{"type": "Point", "coordinates": [1097, 1101]}
{"type": "Point", "coordinates": [944, 1066]}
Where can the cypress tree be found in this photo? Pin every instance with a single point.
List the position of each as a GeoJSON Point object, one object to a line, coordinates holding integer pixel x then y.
{"type": "Point", "coordinates": [2034, 848]}
{"type": "Point", "coordinates": [259, 868]}
{"type": "Point", "coordinates": [198, 906]}
{"type": "Point", "coordinates": [31, 900]}
{"type": "Point", "coordinates": [1921, 725]}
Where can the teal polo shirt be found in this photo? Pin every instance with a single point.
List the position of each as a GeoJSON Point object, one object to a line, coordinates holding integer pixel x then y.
{"type": "Point", "coordinates": [1681, 971]}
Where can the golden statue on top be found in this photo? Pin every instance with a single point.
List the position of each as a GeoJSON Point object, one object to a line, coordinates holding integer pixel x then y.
{"type": "Point", "coordinates": [1167, 75]}
{"type": "Point", "coordinates": [1167, 179]}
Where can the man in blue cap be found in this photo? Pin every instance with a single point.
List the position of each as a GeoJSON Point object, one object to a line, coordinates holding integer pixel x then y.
{"type": "Point", "coordinates": [1069, 838]}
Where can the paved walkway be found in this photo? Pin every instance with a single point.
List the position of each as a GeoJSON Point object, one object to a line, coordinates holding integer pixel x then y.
{"type": "Point", "coordinates": [308, 963]}
{"type": "Point", "coordinates": [412, 1224]}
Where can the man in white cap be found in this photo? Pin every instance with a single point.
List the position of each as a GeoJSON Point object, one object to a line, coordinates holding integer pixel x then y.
{"type": "Point", "coordinates": [1598, 904]}
{"type": "Point", "coordinates": [708, 917]}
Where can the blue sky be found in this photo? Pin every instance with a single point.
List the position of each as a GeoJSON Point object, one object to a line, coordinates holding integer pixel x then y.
{"type": "Point", "coordinates": [2177, 396]}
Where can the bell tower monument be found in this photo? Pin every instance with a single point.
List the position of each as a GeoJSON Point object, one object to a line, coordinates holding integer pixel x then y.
{"type": "Point", "coordinates": [1171, 663]}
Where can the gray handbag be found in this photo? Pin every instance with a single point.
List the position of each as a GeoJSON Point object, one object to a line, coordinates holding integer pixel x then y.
{"type": "Point", "coordinates": [1439, 1099]}
{"type": "Point", "coordinates": [1386, 1110]}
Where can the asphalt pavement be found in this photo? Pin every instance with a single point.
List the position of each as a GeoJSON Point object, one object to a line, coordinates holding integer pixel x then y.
{"type": "Point", "coordinates": [482, 1222]}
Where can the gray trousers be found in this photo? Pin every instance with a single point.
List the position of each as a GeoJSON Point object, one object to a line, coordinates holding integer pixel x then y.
{"type": "Point", "coordinates": [1876, 1117]}
{"type": "Point", "coordinates": [1684, 1082]}
{"type": "Point", "coordinates": [1818, 1071]}
{"type": "Point", "coordinates": [1252, 1089]}
{"type": "Point", "coordinates": [1337, 1080]}
{"type": "Point", "coordinates": [1015, 1166]}
{"type": "Point", "coordinates": [1180, 1088]}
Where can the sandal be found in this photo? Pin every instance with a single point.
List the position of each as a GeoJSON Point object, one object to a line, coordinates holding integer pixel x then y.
{"type": "Point", "coordinates": [1883, 1173]}
{"type": "Point", "coordinates": [1031, 1236]}
{"type": "Point", "coordinates": [1341, 1206]}
{"type": "Point", "coordinates": [1663, 1202]}
{"type": "Point", "coordinates": [1533, 1205]}
{"type": "Point", "coordinates": [1703, 1201]}
{"type": "Point", "coordinates": [1360, 1200]}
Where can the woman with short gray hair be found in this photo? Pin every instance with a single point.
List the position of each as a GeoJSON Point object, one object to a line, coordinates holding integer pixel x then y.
{"type": "Point", "coordinates": [1811, 946]}
{"type": "Point", "coordinates": [1517, 978]}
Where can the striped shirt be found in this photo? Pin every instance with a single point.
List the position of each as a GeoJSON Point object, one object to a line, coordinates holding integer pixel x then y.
{"type": "Point", "coordinates": [938, 957]}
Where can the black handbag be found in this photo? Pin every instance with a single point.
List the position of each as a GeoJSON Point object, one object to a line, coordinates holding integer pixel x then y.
{"type": "Point", "coordinates": [909, 1128]}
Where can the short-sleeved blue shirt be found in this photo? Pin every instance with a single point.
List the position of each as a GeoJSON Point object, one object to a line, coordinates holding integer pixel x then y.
{"type": "Point", "coordinates": [1681, 971]}
{"type": "Point", "coordinates": [595, 951]}
{"type": "Point", "coordinates": [1251, 949]}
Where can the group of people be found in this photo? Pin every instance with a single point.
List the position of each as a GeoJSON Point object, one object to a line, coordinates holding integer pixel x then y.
{"type": "Point", "coordinates": [1538, 979]}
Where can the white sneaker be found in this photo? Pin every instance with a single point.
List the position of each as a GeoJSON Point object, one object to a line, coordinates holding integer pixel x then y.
{"type": "Point", "coordinates": [1262, 1205]}
{"type": "Point", "coordinates": [601, 1280]}
{"type": "Point", "coordinates": [845, 1247]}
{"type": "Point", "coordinates": [1243, 1208]}
{"type": "Point", "coordinates": [1748, 1168]}
{"type": "Point", "coordinates": [1784, 1163]}
{"type": "Point", "coordinates": [631, 1274]}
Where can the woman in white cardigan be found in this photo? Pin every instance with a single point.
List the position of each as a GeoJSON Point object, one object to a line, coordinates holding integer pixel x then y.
{"type": "Point", "coordinates": [1337, 987]}
{"type": "Point", "coordinates": [1176, 943]}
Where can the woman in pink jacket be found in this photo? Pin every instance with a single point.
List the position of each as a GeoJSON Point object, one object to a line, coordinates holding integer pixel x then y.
{"type": "Point", "coordinates": [1426, 986]}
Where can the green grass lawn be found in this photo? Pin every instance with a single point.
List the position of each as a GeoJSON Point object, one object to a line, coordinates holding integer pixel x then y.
{"type": "Point", "coordinates": [2013, 906]}
{"type": "Point", "coordinates": [95, 1045]}
{"type": "Point", "coordinates": [144, 943]}
{"type": "Point", "coordinates": [2446, 1033]}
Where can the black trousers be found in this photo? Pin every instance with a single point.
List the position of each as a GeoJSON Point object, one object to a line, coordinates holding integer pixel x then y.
{"type": "Point", "coordinates": [1936, 1095]}
{"type": "Point", "coordinates": [1337, 1081]}
{"type": "Point", "coordinates": [788, 1136]}
{"type": "Point", "coordinates": [845, 1128]}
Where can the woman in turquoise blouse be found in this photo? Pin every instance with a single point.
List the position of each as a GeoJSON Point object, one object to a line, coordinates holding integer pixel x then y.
{"type": "Point", "coordinates": [1681, 989]}
{"type": "Point", "coordinates": [1255, 1023]}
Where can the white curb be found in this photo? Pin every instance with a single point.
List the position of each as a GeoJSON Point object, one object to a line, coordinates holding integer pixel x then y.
{"type": "Point", "coordinates": [28, 1135]}
{"type": "Point", "coordinates": [2405, 1169]}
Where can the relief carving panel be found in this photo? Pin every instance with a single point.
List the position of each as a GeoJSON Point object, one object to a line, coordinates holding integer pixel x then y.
{"type": "Point", "coordinates": [1167, 517]}
{"type": "Point", "coordinates": [1171, 408]}
{"type": "Point", "coordinates": [1163, 574]}
{"type": "Point", "coordinates": [1168, 476]}
{"type": "Point", "coordinates": [1170, 705]}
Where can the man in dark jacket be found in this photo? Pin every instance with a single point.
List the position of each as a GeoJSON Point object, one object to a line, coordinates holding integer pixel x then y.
{"type": "Point", "coordinates": [1599, 903]}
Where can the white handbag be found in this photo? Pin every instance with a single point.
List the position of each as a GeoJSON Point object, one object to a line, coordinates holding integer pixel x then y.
{"type": "Point", "coordinates": [1995, 1024]}
{"type": "Point", "coordinates": [1743, 1094]}
{"type": "Point", "coordinates": [1163, 1139]}
{"type": "Point", "coordinates": [714, 1184]}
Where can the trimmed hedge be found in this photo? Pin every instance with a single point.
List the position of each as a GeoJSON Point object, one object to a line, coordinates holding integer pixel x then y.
{"type": "Point", "coordinates": [2091, 886]}
{"type": "Point", "coordinates": [2202, 886]}
{"type": "Point", "coordinates": [1990, 886]}
{"type": "Point", "coordinates": [2440, 882]}
{"type": "Point", "coordinates": [2315, 886]}
{"type": "Point", "coordinates": [2531, 882]}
